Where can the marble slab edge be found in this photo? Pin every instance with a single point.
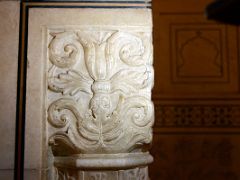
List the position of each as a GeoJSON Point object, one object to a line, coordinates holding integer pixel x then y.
{"type": "Point", "coordinates": [100, 4]}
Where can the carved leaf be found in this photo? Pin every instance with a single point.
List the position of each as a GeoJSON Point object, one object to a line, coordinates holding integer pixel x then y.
{"type": "Point", "coordinates": [62, 145]}
{"type": "Point", "coordinates": [131, 80]}
{"type": "Point", "coordinates": [70, 83]}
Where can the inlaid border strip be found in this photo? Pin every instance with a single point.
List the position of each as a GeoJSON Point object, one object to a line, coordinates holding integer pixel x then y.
{"type": "Point", "coordinates": [21, 94]}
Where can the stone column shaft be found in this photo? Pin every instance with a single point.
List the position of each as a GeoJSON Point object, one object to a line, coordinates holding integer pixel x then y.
{"type": "Point", "coordinates": [99, 109]}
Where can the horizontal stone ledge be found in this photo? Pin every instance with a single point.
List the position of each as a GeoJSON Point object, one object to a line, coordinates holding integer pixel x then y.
{"type": "Point", "coordinates": [98, 4]}
{"type": "Point", "coordinates": [104, 161]}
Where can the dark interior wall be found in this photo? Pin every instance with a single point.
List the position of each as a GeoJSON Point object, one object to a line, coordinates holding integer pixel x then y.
{"type": "Point", "coordinates": [196, 94]}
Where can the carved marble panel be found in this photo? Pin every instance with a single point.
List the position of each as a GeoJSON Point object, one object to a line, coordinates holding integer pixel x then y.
{"type": "Point", "coordinates": [99, 83]}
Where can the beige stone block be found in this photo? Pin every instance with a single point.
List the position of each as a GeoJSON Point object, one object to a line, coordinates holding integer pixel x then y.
{"type": "Point", "coordinates": [9, 18]}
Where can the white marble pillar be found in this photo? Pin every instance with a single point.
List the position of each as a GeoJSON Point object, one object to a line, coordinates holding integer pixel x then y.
{"type": "Point", "coordinates": [96, 64]}
{"type": "Point", "coordinates": [99, 98]}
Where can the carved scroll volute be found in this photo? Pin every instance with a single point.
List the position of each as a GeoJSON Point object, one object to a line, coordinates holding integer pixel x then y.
{"type": "Point", "coordinates": [118, 118]}
{"type": "Point", "coordinates": [131, 49]}
{"type": "Point", "coordinates": [65, 49]}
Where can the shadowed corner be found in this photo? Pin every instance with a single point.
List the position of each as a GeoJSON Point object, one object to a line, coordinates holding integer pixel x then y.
{"type": "Point", "coordinates": [226, 11]}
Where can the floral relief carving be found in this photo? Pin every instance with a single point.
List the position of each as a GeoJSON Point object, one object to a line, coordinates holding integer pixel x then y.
{"type": "Point", "coordinates": [136, 174]}
{"type": "Point", "coordinates": [61, 174]}
{"type": "Point", "coordinates": [98, 176]}
{"type": "Point", "coordinates": [99, 91]}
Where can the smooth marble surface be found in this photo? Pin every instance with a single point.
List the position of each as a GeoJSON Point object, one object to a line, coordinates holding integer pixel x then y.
{"type": "Point", "coordinates": [9, 18]}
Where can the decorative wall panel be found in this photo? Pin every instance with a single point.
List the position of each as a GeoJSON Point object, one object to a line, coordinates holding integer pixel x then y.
{"type": "Point", "coordinates": [196, 57]}
{"type": "Point", "coordinates": [203, 116]}
{"type": "Point", "coordinates": [195, 45]}
{"type": "Point", "coordinates": [196, 94]}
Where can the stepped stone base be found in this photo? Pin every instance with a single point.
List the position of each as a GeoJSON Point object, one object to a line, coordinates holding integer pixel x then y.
{"type": "Point", "coordinates": [103, 167]}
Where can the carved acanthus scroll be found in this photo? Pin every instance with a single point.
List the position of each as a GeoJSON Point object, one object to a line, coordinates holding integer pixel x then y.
{"type": "Point", "coordinates": [99, 91]}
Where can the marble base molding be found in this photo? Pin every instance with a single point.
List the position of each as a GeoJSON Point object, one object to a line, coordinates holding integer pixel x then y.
{"type": "Point", "coordinates": [103, 167]}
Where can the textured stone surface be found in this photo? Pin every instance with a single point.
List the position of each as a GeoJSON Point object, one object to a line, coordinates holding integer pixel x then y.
{"type": "Point", "coordinates": [9, 18]}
